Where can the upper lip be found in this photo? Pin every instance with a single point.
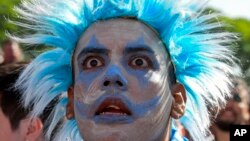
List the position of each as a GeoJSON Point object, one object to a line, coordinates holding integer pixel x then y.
{"type": "Point", "coordinates": [113, 106]}
{"type": "Point", "coordinates": [228, 109]}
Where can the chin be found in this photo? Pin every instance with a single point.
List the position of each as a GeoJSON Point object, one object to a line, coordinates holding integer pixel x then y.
{"type": "Point", "coordinates": [107, 136]}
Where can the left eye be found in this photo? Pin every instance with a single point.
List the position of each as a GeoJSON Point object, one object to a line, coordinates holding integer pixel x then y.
{"type": "Point", "coordinates": [92, 62]}
{"type": "Point", "coordinates": [139, 62]}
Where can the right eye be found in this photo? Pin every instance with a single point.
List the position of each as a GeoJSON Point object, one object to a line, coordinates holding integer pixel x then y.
{"type": "Point", "coordinates": [92, 62]}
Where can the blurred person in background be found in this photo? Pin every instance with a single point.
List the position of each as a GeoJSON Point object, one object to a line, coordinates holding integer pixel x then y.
{"type": "Point", "coordinates": [235, 112]}
{"type": "Point", "coordinates": [11, 52]}
{"type": "Point", "coordinates": [15, 122]}
{"type": "Point", "coordinates": [1, 56]}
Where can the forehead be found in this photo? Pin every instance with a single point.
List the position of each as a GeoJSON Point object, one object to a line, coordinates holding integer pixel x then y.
{"type": "Point", "coordinates": [118, 33]}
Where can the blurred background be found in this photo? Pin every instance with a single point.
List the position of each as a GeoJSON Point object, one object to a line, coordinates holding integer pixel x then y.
{"type": "Point", "coordinates": [234, 13]}
{"type": "Point", "coordinates": [237, 14]}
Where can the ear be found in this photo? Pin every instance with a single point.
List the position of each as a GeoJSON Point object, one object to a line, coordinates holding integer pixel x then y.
{"type": "Point", "coordinates": [70, 105]}
{"type": "Point", "coordinates": [179, 101]}
{"type": "Point", "coordinates": [32, 128]}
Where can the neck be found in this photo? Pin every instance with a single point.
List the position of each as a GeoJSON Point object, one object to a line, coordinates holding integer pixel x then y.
{"type": "Point", "coordinates": [166, 133]}
{"type": "Point", "coordinates": [220, 135]}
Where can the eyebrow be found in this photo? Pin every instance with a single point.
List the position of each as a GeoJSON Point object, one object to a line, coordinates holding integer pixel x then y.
{"type": "Point", "coordinates": [138, 48]}
{"type": "Point", "coordinates": [90, 49]}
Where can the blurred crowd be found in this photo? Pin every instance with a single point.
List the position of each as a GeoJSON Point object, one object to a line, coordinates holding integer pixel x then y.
{"type": "Point", "coordinates": [16, 123]}
{"type": "Point", "coordinates": [236, 112]}
{"type": "Point", "coordinates": [10, 52]}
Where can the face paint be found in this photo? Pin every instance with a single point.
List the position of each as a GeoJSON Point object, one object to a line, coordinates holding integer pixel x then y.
{"type": "Point", "coordinates": [121, 88]}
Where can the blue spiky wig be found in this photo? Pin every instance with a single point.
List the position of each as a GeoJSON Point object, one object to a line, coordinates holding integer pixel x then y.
{"type": "Point", "coordinates": [202, 57]}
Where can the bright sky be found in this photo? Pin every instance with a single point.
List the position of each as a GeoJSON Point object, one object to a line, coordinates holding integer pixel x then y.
{"type": "Point", "coordinates": [232, 8]}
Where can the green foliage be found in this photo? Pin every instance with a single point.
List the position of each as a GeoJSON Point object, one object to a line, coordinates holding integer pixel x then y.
{"type": "Point", "coordinates": [6, 12]}
{"type": "Point", "coordinates": [242, 27]}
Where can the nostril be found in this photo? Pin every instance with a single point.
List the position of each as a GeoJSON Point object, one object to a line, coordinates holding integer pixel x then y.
{"type": "Point", "coordinates": [119, 83]}
{"type": "Point", "coordinates": [106, 83]}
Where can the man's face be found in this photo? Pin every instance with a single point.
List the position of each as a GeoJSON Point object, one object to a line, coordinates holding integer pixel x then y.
{"type": "Point", "coordinates": [121, 84]}
{"type": "Point", "coordinates": [236, 110]}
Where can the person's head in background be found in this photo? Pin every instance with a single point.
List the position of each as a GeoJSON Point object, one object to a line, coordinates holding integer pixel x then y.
{"type": "Point", "coordinates": [235, 112]}
{"type": "Point", "coordinates": [11, 52]}
{"type": "Point", "coordinates": [1, 56]}
{"type": "Point", "coordinates": [16, 124]}
{"type": "Point", "coordinates": [237, 108]}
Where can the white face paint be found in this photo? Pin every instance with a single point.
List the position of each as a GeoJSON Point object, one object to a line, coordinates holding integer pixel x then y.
{"type": "Point", "coordinates": [121, 87]}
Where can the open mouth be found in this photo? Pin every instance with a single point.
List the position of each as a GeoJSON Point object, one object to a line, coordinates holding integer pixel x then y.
{"type": "Point", "coordinates": [229, 111]}
{"type": "Point", "coordinates": [113, 107]}
{"type": "Point", "coordinates": [227, 114]}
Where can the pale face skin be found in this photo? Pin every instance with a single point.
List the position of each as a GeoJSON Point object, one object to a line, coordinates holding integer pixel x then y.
{"type": "Point", "coordinates": [236, 110]}
{"type": "Point", "coordinates": [6, 133]}
{"type": "Point", "coordinates": [27, 130]}
{"type": "Point", "coordinates": [121, 85]}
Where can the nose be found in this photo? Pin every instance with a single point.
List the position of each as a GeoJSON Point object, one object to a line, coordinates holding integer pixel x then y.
{"type": "Point", "coordinates": [113, 78]}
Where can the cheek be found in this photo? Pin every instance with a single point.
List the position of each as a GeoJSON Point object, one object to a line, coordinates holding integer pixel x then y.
{"type": "Point", "coordinates": [4, 130]}
{"type": "Point", "coordinates": [81, 110]}
{"type": "Point", "coordinates": [87, 88]}
{"type": "Point", "coordinates": [156, 120]}
{"type": "Point", "coordinates": [151, 95]}
{"type": "Point", "coordinates": [6, 134]}
{"type": "Point", "coordinates": [143, 87]}
{"type": "Point", "coordinates": [5, 127]}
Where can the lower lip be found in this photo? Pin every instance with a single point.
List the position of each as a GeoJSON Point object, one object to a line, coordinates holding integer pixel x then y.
{"type": "Point", "coordinates": [113, 119]}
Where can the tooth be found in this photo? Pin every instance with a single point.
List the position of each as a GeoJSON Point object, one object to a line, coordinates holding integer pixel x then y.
{"type": "Point", "coordinates": [111, 113]}
{"type": "Point", "coordinates": [114, 106]}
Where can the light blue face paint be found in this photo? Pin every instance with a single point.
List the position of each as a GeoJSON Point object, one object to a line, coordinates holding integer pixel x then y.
{"type": "Point", "coordinates": [122, 64]}
{"type": "Point", "coordinates": [137, 110]}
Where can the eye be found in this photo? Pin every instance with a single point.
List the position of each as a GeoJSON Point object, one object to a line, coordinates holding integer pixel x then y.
{"type": "Point", "coordinates": [140, 62]}
{"type": "Point", "coordinates": [92, 62]}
